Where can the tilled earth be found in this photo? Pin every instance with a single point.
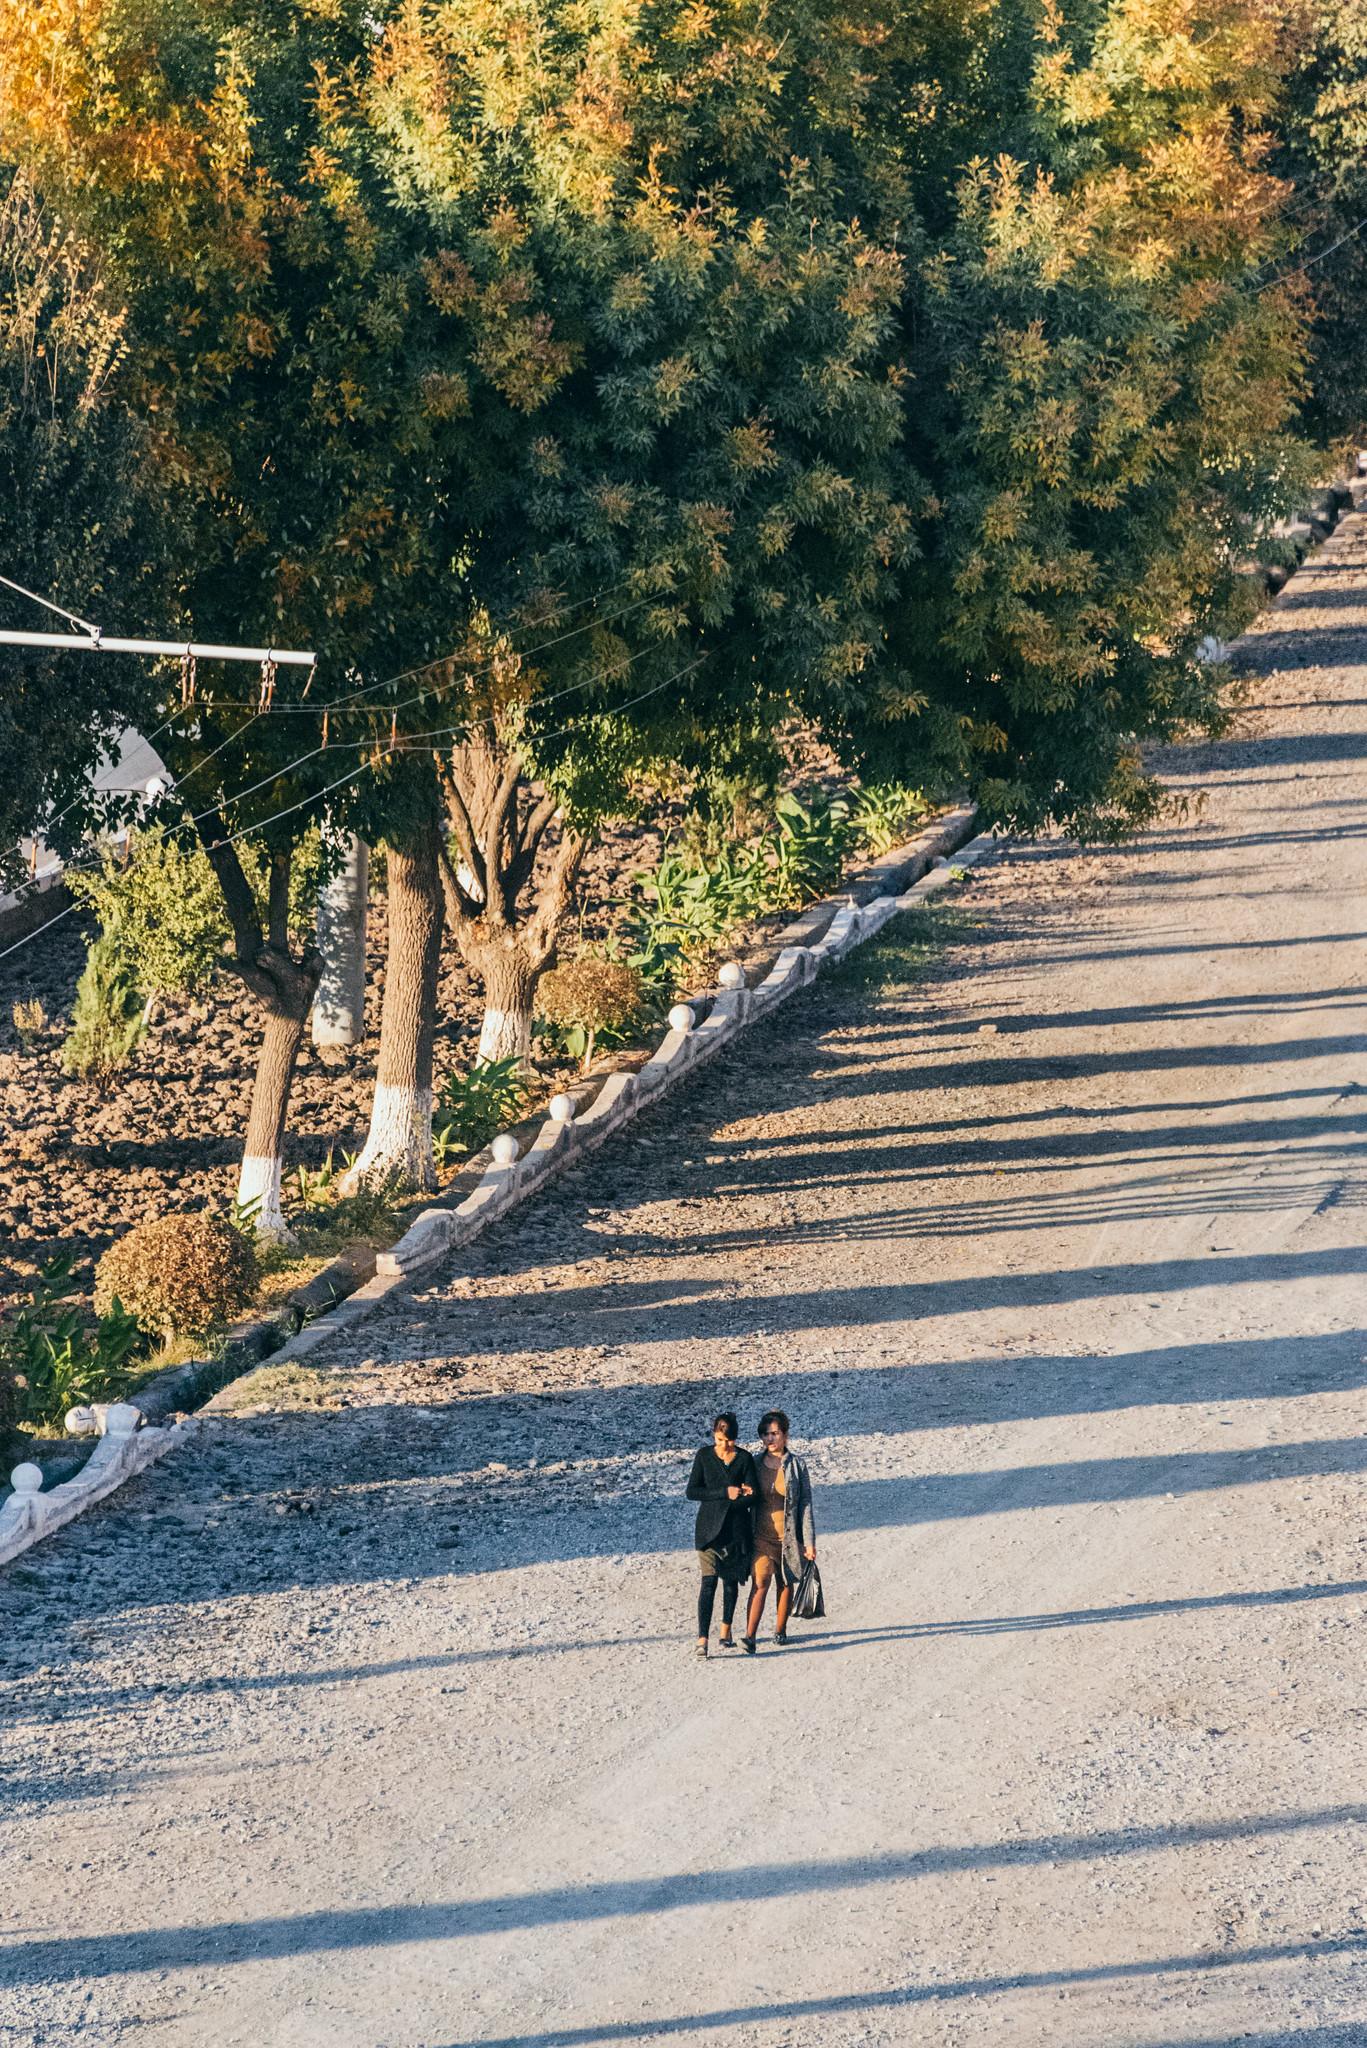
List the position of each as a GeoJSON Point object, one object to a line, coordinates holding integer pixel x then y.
{"type": "Point", "coordinates": [374, 1722]}
{"type": "Point", "coordinates": [83, 1160]}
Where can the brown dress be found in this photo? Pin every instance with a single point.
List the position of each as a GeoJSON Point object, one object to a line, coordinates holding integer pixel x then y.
{"type": "Point", "coordinates": [769, 1514]}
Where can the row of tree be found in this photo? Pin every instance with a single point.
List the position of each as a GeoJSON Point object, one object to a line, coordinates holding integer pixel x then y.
{"type": "Point", "coordinates": [600, 390]}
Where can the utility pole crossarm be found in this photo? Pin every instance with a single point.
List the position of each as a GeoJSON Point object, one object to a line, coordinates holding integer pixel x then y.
{"type": "Point", "coordinates": [109, 644]}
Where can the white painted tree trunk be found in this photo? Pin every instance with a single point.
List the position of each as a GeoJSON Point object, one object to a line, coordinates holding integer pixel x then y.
{"type": "Point", "coordinates": [339, 1007]}
{"type": "Point", "coordinates": [398, 1146]}
{"type": "Point", "coordinates": [505, 1034]}
{"type": "Point", "coordinates": [258, 1195]}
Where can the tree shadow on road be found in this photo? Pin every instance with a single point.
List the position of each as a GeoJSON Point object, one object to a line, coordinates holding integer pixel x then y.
{"type": "Point", "coordinates": [880, 2004]}
{"type": "Point", "coordinates": [75, 1701]}
{"type": "Point", "coordinates": [59, 1959]}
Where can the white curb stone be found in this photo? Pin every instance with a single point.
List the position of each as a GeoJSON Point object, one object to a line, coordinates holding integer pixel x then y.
{"type": "Point", "coordinates": [125, 1448]}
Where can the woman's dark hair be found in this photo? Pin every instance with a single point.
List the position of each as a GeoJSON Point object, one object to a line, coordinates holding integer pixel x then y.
{"type": "Point", "coordinates": [727, 1421]}
{"type": "Point", "coordinates": [774, 1415]}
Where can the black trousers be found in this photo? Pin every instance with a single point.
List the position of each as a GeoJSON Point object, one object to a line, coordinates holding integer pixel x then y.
{"type": "Point", "coordinates": [707, 1594]}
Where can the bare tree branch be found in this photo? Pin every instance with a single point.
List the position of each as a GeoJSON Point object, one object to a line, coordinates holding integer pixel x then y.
{"type": "Point", "coordinates": [459, 816]}
{"type": "Point", "coordinates": [500, 901]}
{"type": "Point", "coordinates": [520, 867]}
{"type": "Point", "coordinates": [278, 900]}
{"type": "Point", "coordinates": [461, 906]}
{"type": "Point", "coordinates": [238, 899]}
{"type": "Point", "coordinates": [554, 896]}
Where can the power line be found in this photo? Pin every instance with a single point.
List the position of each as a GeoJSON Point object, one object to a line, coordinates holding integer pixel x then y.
{"type": "Point", "coordinates": [1296, 269]}
{"type": "Point", "coordinates": [345, 703]}
{"type": "Point", "coordinates": [364, 767]}
{"type": "Point", "coordinates": [48, 606]}
{"type": "Point", "coordinates": [263, 710]}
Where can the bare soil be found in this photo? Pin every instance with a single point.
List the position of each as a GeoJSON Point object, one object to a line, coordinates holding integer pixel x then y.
{"type": "Point", "coordinates": [372, 1720]}
{"type": "Point", "coordinates": [81, 1161]}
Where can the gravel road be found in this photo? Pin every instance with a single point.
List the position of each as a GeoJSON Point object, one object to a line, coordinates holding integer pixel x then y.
{"type": "Point", "coordinates": [372, 1721]}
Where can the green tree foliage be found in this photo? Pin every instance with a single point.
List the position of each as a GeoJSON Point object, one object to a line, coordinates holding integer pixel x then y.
{"type": "Point", "coordinates": [1105, 378]}
{"type": "Point", "coordinates": [1322, 152]}
{"type": "Point", "coordinates": [72, 518]}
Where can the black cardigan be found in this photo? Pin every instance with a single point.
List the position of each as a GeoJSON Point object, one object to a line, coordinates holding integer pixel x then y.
{"type": "Point", "coordinates": [707, 1484]}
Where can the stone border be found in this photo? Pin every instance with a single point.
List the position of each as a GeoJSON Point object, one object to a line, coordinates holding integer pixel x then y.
{"type": "Point", "coordinates": [123, 1450]}
{"type": "Point", "coordinates": [521, 1163]}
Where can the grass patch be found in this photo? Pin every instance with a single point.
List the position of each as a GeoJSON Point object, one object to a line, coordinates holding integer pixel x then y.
{"type": "Point", "coordinates": [281, 1388]}
{"type": "Point", "coordinates": [903, 951]}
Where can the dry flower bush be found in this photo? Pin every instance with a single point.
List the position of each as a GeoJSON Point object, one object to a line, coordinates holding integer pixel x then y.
{"type": "Point", "coordinates": [30, 1022]}
{"type": "Point", "coordinates": [589, 995]}
{"type": "Point", "coordinates": [179, 1273]}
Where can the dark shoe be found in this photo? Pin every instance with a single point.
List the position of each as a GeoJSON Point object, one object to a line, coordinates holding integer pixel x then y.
{"type": "Point", "coordinates": [781, 1640]}
{"type": "Point", "coordinates": [726, 1642]}
{"type": "Point", "coordinates": [747, 1644]}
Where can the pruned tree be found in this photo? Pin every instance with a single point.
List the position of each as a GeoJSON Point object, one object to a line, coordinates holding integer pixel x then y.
{"type": "Point", "coordinates": [499, 825]}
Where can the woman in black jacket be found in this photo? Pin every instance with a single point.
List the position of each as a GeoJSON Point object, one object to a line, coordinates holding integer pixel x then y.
{"type": "Point", "coordinates": [723, 1482]}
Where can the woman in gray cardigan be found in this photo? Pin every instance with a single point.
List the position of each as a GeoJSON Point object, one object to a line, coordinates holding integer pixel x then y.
{"type": "Point", "coordinates": [785, 1528]}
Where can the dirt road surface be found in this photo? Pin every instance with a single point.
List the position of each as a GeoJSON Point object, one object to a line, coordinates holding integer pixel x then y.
{"type": "Point", "coordinates": [376, 1723]}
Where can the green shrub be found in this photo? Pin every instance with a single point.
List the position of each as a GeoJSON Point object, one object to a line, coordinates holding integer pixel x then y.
{"type": "Point", "coordinates": [53, 1358]}
{"type": "Point", "coordinates": [107, 1019]}
{"type": "Point", "coordinates": [883, 813]}
{"type": "Point", "coordinates": [180, 1274]}
{"type": "Point", "coordinates": [590, 996]}
{"type": "Point", "coordinates": [473, 1108]}
{"type": "Point", "coordinates": [161, 907]}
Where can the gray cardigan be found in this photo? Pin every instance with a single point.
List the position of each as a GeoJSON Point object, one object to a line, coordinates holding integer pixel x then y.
{"type": "Point", "coordinates": [799, 1523]}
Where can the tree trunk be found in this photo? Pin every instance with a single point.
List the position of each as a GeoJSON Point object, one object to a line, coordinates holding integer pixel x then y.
{"type": "Point", "coordinates": [285, 989]}
{"type": "Point", "coordinates": [286, 993]}
{"type": "Point", "coordinates": [339, 1010]}
{"type": "Point", "coordinates": [508, 970]}
{"type": "Point", "coordinates": [498, 838]}
{"type": "Point", "coordinates": [399, 1145]}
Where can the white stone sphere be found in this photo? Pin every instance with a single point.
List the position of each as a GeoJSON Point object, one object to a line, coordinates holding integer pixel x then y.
{"type": "Point", "coordinates": [732, 975]}
{"type": "Point", "coordinates": [681, 1018]}
{"type": "Point", "coordinates": [81, 1422]}
{"type": "Point", "coordinates": [26, 1478]}
{"type": "Point", "coordinates": [560, 1109]}
{"type": "Point", "coordinates": [505, 1149]}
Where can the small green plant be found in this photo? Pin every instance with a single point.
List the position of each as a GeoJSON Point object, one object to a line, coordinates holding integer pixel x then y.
{"type": "Point", "coordinates": [30, 1023]}
{"type": "Point", "coordinates": [372, 1211]}
{"type": "Point", "coordinates": [182, 1273]}
{"type": "Point", "coordinates": [686, 907]}
{"type": "Point", "coordinates": [811, 849]}
{"type": "Point", "coordinates": [107, 1017]}
{"type": "Point", "coordinates": [882, 814]}
{"type": "Point", "coordinates": [53, 1357]}
{"type": "Point", "coordinates": [242, 1216]}
{"type": "Point", "coordinates": [589, 998]}
{"type": "Point", "coordinates": [472, 1108]}
{"type": "Point", "coordinates": [314, 1190]}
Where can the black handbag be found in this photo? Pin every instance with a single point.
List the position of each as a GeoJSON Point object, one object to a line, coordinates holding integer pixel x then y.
{"type": "Point", "coordinates": [808, 1603]}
